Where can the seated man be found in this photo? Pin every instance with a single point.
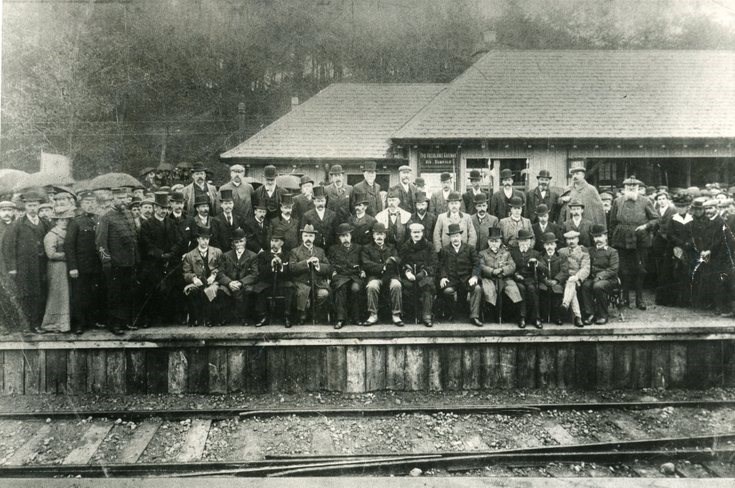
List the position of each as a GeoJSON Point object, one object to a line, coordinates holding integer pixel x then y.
{"type": "Point", "coordinates": [575, 265]}
{"type": "Point", "coordinates": [380, 262]}
{"type": "Point", "coordinates": [550, 287]}
{"type": "Point", "coordinates": [460, 274]}
{"type": "Point", "coordinates": [238, 274]}
{"type": "Point", "coordinates": [201, 267]}
{"type": "Point", "coordinates": [496, 269]}
{"type": "Point", "coordinates": [309, 268]}
{"type": "Point", "coordinates": [527, 278]}
{"type": "Point", "coordinates": [418, 261]}
{"type": "Point", "coordinates": [274, 277]}
{"type": "Point", "coordinates": [603, 277]}
{"type": "Point", "coordinates": [347, 277]}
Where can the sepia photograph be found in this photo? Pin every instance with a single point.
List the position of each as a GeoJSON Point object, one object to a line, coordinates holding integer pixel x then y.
{"type": "Point", "coordinates": [367, 243]}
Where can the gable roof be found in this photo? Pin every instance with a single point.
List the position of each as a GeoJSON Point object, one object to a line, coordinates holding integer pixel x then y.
{"type": "Point", "coordinates": [343, 121]}
{"type": "Point", "coordinates": [585, 94]}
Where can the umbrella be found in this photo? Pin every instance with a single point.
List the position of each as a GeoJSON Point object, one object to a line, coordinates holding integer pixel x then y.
{"type": "Point", "coordinates": [9, 178]}
{"type": "Point", "coordinates": [82, 185]}
{"type": "Point", "coordinates": [42, 179]}
{"type": "Point", "coordinates": [113, 180]}
{"type": "Point", "coordinates": [292, 182]}
{"type": "Point", "coordinates": [255, 183]}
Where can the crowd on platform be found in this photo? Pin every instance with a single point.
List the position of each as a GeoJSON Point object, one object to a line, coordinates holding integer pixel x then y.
{"type": "Point", "coordinates": [183, 251]}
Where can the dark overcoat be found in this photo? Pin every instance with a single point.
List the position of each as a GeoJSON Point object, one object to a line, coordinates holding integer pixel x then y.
{"type": "Point", "coordinates": [375, 262]}
{"type": "Point", "coordinates": [288, 229]}
{"type": "Point", "coordinates": [346, 263]}
{"type": "Point", "coordinates": [419, 258]}
{"type": "Point", "coordinates": [459, 266]}
{"type": "Point", "coordinates": [372, 193]}
{"type": "Point", "coordinates": [79, 245]}
{"type": "Point", "coordinates": [338, 201]}
{"type": "Point", "coordinates": [258, 235]}
{"type": "Point", "coordinates": [26, 255]}
{"type": "Point", "coordinates": [300, 272]}
{"type": "Point", "coordinates": [362, 229]}
{"type": "Point", "coordinates": [325, 227]}
{"type": "Point", "coordinates": [244, 270]}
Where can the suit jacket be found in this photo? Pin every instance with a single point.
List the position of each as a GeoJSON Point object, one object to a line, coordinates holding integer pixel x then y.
{"type": "Point", "coordinates": [265, 271]}
{"type": "Point", "coordinates": [188, 192]}
{"type": "Point", "coordinates": [27, 256]}
{"type": "Point", "coordinates": [458, 266]}
{"type": "Point", "coordinates": [375, 202]}
{"type": "Point", "coordinates": [420, 259]}
{"type": "Point", "coordinates": [524, 265]}
{"type": "Point", "coordinates": [180, 233]}
{"type": "Point", "coordinates": [242, 195]}
{"type": "Point", "coordinates": [289, 229]}
{"type": "Point", "coordinates": [400, 234]}
{"type": "Point", "coordinates": [346, 264]}
{"type": "Point", "coordinates": [428, 221]}
{"type": "Point", "coordinates": [375, 262]}
{"type": "Point", "coordinates": [244, 270]}
{"type": "Point", "coordinates": [584, 229]}
{"type": "Point", "coordinates": [534, 199]}
{"type": "Point", "coordinates": [79, 245]}
{"type": "Point", "coordinates": [604, 263]}
{"type": "Point", "coordinates": [301, 205]}
{"type": "Point", "coordinates": [193, 264]}
{"type": "Point", "coordinates": [258, 237]}
{"type": "Point", "coordinates": [550, 227]}
{"type": "Point", "coordinates": [482, 229]}
{"type": "Point", "coordinates": [464, 220]}
{"type": "Point", "coordinates": [157, 238]}
{"type": "Point", "coordinates": [116, 238]}
{"type": "Point", "coordinates": [325, 227]}
{"type": "Point", "coordinates": [407, 197]}
{"type": "Point", "coordinates": [223, 230]}
{"type": "Point", "coordinates": [468, 200]}
{"type": "Point", "coordinates": [575, 262]}
{"type": "Point", "coordinates": [509, 228]}
{"type": "Point", "coordinates": [190, 233]}
{"type": "Point", "coordinates": [272, 203]}
{"type": "Point", "coordinates": [362, 229]}
{"type": "Point", "coordinates": [300, 272]}
{"type": "Point", "coordinates": [500, 205]}
{"type": "Point", "coordinates": [339, 201]}
{"type": "Point", "coordinates": [439, 205]}
{"type": "Point", "coordinates": [552, 270]}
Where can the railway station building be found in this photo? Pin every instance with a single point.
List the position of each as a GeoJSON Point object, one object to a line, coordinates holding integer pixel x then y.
{"type": "Point", "coordinates": [667, 117]}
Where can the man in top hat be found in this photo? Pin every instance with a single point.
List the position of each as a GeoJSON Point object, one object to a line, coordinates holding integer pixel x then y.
{"type": "Point", "coordinates": [496, 270]}
{"type": "Point", "coordinates": [662, 250]}
{"type": "Point", "coordinates": [381, 264]}
{"type": "Point", "coordinates": [406, 190]}
{"type": "Point", "coordinates": [347, 277]}
{"type": "Point", "coordinates": [304, 202]}
{"type": "Point", "coordinates": [257, 229]}
{"type": "Point", "coordinates": [453, 215]}
{"type": "Point", "coordinates": [514, 223]}
{"type": "Point", "coordinates": [241, 191]}
{"type": "Point", "coordinates": [419, 266]}
{"type": "Point", "coordinates": [394, 218]}
{"type": "Point", "coordinates": [473, 192]}
{"type": "Point", "coordinates": [25, 259]}
{"type": "Point", "coordinates": [551, 288]}
{"type": "Point", "coordinates": [158, 245]}
{"type": "Point", "coordinates": [575, 265]}
{"type": "Point", "coordinates": [201, 266]}
{"type": "Point", "coordinates": [199, 218]}
{"type": "Point", "coordinates": [440, 199]}
{"type": "Point", "coordinates": [527, 277]}
{"type": "Point", "coordinates": [339, 194]}
{"type": "Point", "coordinates": [543, 225]}
{"type": "Point", "coordinates": [269, 194]}
{"type": "Point", "coordinates": [274, 279]}
{"type": "Point", "coordinates": [581, 191]}
{"type": "Point", "coordinates": [305, 261]}
{"type": "Point", "coordinates": [286, 225]}
{"type": "Point", "coordinates": [459, 274]}
{"type": "Point", "coordinates": [633, 218]}
{"type": "Point", "coordinates": [500, 202]}
{"type": "Point", "coordinates": [369, 189]}
{"type": "Point", "coordinates": [323, 219]}
{"type": "Point", "coordinates": [237, 275]}
{"type": "Point", "coordinates": [224, 224]}
{"type": "Point", "coordinates": [148, 177]}
{"type": "Point", "coordinates": [361, 222]}
{"type": "Point", "coordinates": [199, 190]}
{"type": "Point", "coordinates": [482, 221]}
{"type": "Point", "coordinates": [577, 222]}
{"type": "Point", "coordinates": [602, 280]}
{"type": "Point", "coordinates": [422, 215]}
{"type": "Point", "coordinates": [542, 194]}
{"type": "Point", "coordinates": [117, 244]}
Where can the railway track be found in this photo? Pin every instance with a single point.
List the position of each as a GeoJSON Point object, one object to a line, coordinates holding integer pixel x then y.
{"type": "Point", "coordinates": [598, 439]}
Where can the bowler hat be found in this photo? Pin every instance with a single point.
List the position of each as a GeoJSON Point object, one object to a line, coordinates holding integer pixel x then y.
{"type": "Point", "coordinates": [577, 165]}
{"type": "Point", "coordinates": [379, 227]}
{"type": "Point", "coordinates": [286, 199]}
{"type": "Point", "coordinates": [516, 202]}
{"type": "Point", "coordinates": [571, 234]}
{"type": "Point", "coordinates": [177, 196]}
{"type": "Point", "coordinates": [598, 230]}
{"type": "Point", "coordinates": [343, 229]}
{"type": "Point", "coordinates": [419, 182]}
{"type": "Point", "coordinates": [495, 234]}
{"type": "Point", "coordinates": [309, 229]}
{"type": "Point", "coordinates": [203, 231]}
{"type": "Point", "coordinates": [544, 173]}
{"type": "Point", "coordinates": [682, 198]}
{"type": "Point", "coordinates": [524, 234]}
{"type": "Point", "coordinates": [505, 174]}
{"type": "Point", "coordinates": [420, 197]}
{"type": "Point", "coordinates": [238, 234]}
{"type": "Point", "coordinates": [548, 237]}
{"type": "Point", "coordinates": [475, 175]}
{"type": "Point", "coordinates": [269, 172]}
{"type": "Point", "coordinates": [393, 193]}
{"type": "Point", "coordinates": [479, 198]}
{"type": "Point", "coordinates": [575, 203]}
{"type": "Point", "coordinates": [336, 169]}
{"type": "Point", "coordinates": [445, 177]}
{"type": "Point", "coordinates": [454, 197]}
{"type": "Point", "coordinates": [277, 234]}
{"type": "Point", "coordinates": [369, 166]}
{"type": "Point", "coordinates": [361, 198]}
{"type": "Point", "coordinates": [454, 229]}
{"type": "Point", "coordinates": [134, 202]}
{"type": "Point", "coordinates": [225, 195]}
{"type": "Point", "coordinates": [161, 199]}
{"type": "Point", "coordinates": [201, 200]}
{"type": "Point", "coordinates": [319, 192]}
{"type": "Point", "coordinates": [305, 179]}
{"type": "Point", "coordinates": [147, 201]}
{"type": "Point", "coordinates": [542, 209]}
{"type": "Point", "coordinates": [198, 166]}
{"type": "Point", "coordinates": [33, 196]}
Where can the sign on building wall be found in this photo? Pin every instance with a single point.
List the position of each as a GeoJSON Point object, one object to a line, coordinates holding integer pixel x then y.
{"type": "Point", "coordinates": [435, 161]}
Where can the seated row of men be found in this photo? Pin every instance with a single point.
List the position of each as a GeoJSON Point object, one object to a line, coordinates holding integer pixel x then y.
{"type": "Point", "coordinates": [541, 286]}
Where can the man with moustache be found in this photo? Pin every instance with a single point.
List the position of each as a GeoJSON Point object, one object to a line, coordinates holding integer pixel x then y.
{"type": "Point", "coordinates": [482, 221]}
{"type": "Point", "coordinates": [241, 191]}
{"type": "Point", "coordinates": [510, 226]}
{"type": "Point", "coordinates": [200, 218]}
{"type": "Point", "coordinates": [715, 244]}
{"type": "Point", "coordinates": [257, 230]}
{"type": "Point", "coordinates": [419, 266]}
{"type": "Point", "coordinates": [237, 275]}
{"type": "Point", "coordinates": [575, 264]}
{"type": "Point", "coordinates": [8, 300]}
{"type": "Point", "coordinates": [26, 260]}
{"type": "Point", "coordinates": [201, 266]}
{"type": "Point", "coordinates": [551, 289]}
{"type": "Point", "coordinates": [454, 215]}
{"type": "Point", "coordinates": [305, 260]}
{"type": "Point", "coordinates": [347, 277]}
{"type": "Point", "coordinates": [369, 189]}
{"type": "Point", "coordinates": [304, 202]}
{"type": "Point", "coordinates": [285, 225]}
{"type": "Point", "coordinates": [199, 190]}
{"type": "Point", "coordinates": [361, 222]}
{"type": "Point", "coordinates": [542, 194]}
{"type": "Point", "coordinates": [405, 189]}
{"type": "Point", "coordinates": [496, 270]}
{"type": "Point", "coordinates": [339, 194]}
{"type": "Point", "coordinates": [578, 223]}
{"type": "Point", "coordinates": [269, 194]}
{"type": "Point", "coordinates": [583, 192]}
{"type": "Point", "coordinates": [422, 215]}
{"type": "Point", "coordinates": [274, 268]}
{"type": "Point", "coordinates": [473, 193]}
{"type": "Point", "coordinates": [500, 203]}
{"type": "Point", "coordinates": [603, 278]}
{"type": "Point", "coordinates": [527, 277]}
{"type": "Point", "coordinates": [146, 210]}
{"type": "Point", "coordinates": [543, 225]}
{"type": "Point", "coordinates": [7, 216]}
{"type": "Point", "coordinates": [322, 219]}
{"type": "Point", "coordinates": [459, 275]}
{"type": "Point", "coordinates": [607, 200]}
{"type": "Point", "coordinates": [224, 224]}
{"type": "Point", "coordinates": [440, 198]}
{"type": "Point", "coordinates": [682, 249]}
{"type": "Point", "coordinates": [381, 264]}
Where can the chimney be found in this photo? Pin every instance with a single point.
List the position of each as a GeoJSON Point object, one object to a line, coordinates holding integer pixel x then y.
{"type": "Point", "coordinates": [294, 102]}
{"type": "Point", "coordinates": [241, 120]}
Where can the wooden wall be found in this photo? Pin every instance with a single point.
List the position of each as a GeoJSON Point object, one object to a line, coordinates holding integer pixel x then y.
{"type": "Point", "coordinates": [362, 368]}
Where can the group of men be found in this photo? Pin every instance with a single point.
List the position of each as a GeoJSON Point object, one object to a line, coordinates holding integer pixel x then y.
{"type": "Point", "coordinates": [202, 255]}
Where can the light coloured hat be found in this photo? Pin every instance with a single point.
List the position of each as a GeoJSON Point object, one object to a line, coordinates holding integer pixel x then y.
{"type": "Point", "coordinates": [416, 226]}
{"type": "Point", "coordinates": [571, 234]}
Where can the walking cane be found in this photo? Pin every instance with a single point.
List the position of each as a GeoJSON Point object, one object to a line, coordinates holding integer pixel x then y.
{"type": "Point", "coordinates": [499, 291]}
{"type": "Point", "coordinates": [272, 304]}
{"type": "Point", "coordinates": [416, 290]}
{"type": "Point", "coordinates": [549, 291]}
{"type": "Point", "coordinates": [313, 295]}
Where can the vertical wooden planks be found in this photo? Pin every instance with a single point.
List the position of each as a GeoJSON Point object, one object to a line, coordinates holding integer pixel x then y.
{"type": "Point", "coordinates": [336, 368]}
{"type": "Point", "coordinates": [642, 366]}
{"type": "Point", "coordinates": [471, 367]}
{"type": "Point", "coordinates": [236, 369]}
{"type": "Point", "coordinates": [565, 365]}
{"type": "Point", "coordinates": [395, 362]}
{"type": "Point", "coordinates": [526, 364]}
{"type": "Point", "coordinates": [34, 362]}
{"type": "Point", "coordinates": [135, 371]}
{"type": "Point", "coordinates": [116, 371]}
{"type": "Point", "coordinates": [156, 370]}
{"type": "Point", "coordinates": [217, 369]}
{"type": "Point", "coordinates": [13, 366]}
{"type": "Point", "coordinates": [56, 371]}
{"type": "Point", "coordinates": [295, 372]}
{"type": "Point", "coordinates": [507, 366]}
{"type": "Point", "coordinates": [76, 371]}
{"type": "Point", "coordinates": [660, 372]}
{"type": "Point", "coordinates": [604, 360]}
{"type": "Point", "coordinates": [547, 371]}
{"type": "Point", "coordinates": [453, 367]}
{"type": "Point", "coordinates": [415, 368]}
{"type": "Point", "coordinates": [316, 369]}
{"type": "Point", "coordinates": [434, 368]}
{"type": "Point", "coordinates": [96, 370]}
{"type": "Point", "coordinates": [490, 366]}
{"type": "Point", "coordinates": [375, 368]}
{"type": "Point", "coordinates": [257, 370]}
{"type": "Point", "coordinates": [622, 366]}
{"type": "Point", "coordinates": [355, 359]}
{"type": "Point", "coordinates": [728, 363]}
{"type": "Point", "coordinates": [198, 370]}
{"type": "Point", "coordinates": [715, 370]}
{"type": "Point", "coordinates": [178, 367]}
{"type": "Point", "coordinates": [677, 365]}
{"type": "Point", "coordinates": [276, 368]}
{"type": "Point", "coordinates": [585, 365]}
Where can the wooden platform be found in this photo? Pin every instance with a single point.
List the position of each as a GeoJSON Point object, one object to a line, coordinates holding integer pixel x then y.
{"type": "Point", "coordinates": [360, 359]}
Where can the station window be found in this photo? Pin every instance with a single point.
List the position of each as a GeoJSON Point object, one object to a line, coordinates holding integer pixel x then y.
{"type": "Point", "coordinates": [517, 166]}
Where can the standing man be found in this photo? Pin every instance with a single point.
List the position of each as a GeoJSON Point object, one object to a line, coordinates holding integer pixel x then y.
{"type": "Point", "coordinates": [581, 191]}
{"type": "Point", "coordinates": [304, 202]}
{"type": "Point", "coordinates": [322, 219]}
{"type": "Point", "coordinates": [381, 264]}
{"type": "Point", "coordinates": [682, 249]}
{"type": "Point", "coordinates": [406, 190]}
{"type": "Point", "coordinates": [339, 194]}
{"type": "Point", "coordinates": [422, 215]}
{"type": "Point", "coordinates": [238, 274]}
{"type": "Point", "coordinates": [510, 226]}
{"type": "Point", "coordinates": [201, 267]}
{"type": "Point", "coordinates": [715, 245]}
{"type": "Point", "coordinates": [26, 260]}
{"type": "Point", "coordinates": [459, 274]}
{"type": "Point", "coordinates": [542, 226]}
{"type": "Point", "coordinates": [453, 216]}
{"type": "Point", "coordinates": [306, 261]}
{"type": "Point", "coordinates": [633, 217]}
{"type": "Point", "coordinates": [440, 198]}
{"type": "Point", "coordinates": [224, 224]}
{"type": "Point", "coordinates": [418, 262]}
{"type": "Point", "coordinates": [285, 225]}
{"type": "Point", "coordinates": [370, 189]}
{"type": "Point", "coordinates": [117, 244]}
{"type": "Point", "coordinates": [482, 221]}
{"type": "Point", "coordinates": [500, 203]}
{"type": "Point", "coordinates": [347, 277]}
{"type": "Point", "coordinates": [602, 280]}
{"type": "Point", "coordinates": [199, 190]}
{"type": "Point", "coordinates": [607, 200]}
{"type": "Point", "coordinates": [269, 195]}
{"type": "Point", "coordinates": [241, 191]}
{"type": "Point", "coordinates": [256, 229]}
{"type": "Point", "coordinates": [578, 223]}
{"type": "Point", "coordinates": [394, 218]}
{"type": "Point", "coordinates": [473, 192]}
{"type": "Point", "coordinates": [361, 222]}
{"type": "Point", "coordinates": [542, 194]}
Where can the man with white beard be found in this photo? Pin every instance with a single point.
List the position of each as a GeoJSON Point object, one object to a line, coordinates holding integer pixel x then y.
{"type": "Point", "coordinates": [368, 189]}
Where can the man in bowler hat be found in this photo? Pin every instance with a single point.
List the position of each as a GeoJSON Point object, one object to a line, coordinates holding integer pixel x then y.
{"type": "Point", "coordinates": [459, 275]}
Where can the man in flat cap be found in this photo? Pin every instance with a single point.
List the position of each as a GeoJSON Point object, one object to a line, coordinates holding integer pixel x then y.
{"type": "Point", "coordinates": [394, 218]}
{"type": "Point", "coordinates": [542, 195]}
{"type": "Point", "coordinates": [286, 225]}
{"type": "Point", "coordinates": [274, 280]}
{"type": "Point", "coordinates": [603, 278]}
{"type": "Point", "coordinates": [348, 277]}
{"type": "Point", "coordinates": [201, 266]}
{"type": "Point", "coordinates": [199, 190]}
{"type": "Point", "coordinates": [440, 199]}
{"type": "Point", "coordinates": [575, 264]}
{"type": "Point", "coordinates": [422, 215]}
{"type": "Point", "coordinates": [500, 203]}
{"type": "Point", "coordinates": [339, 194]}
{"type": "Point", "coordinates": [322, 219]}
{"type": "Point", "coordinates": [269, 194]}
{"type": "Point", "coordinates": [453, 215]}
{"type": "Point", "coordinates": [514, 223]}
{"type": "Point", "coordinates": [304, 201]}
{"type": "Point", "coordinates": [306, 261]}
{"type": "Point", "coordinates": [241, 191]}
{"type": "Point", "coordinates": [362, 223]}
{"type": "Point", "coordinates": [237, 276]}
{"type": "Point", "coordinates": [582, 191]}
{"type": "Point", "coordinates": [577, 222]}
{"type": "Point", "coordinates": [418, 269]}
{"type": "Point", "coordinates": [369, 189]}
{"type": "Point", "coordinates": [473, 192]}
{"type": "Point", "coordinates": [633, 218]}
{"type": "Point", "coordinates": [381, 264]}
{"type": "Point", "coordinates": [406, 190]}
{"type": "Point", "coordinates": [459, 276]}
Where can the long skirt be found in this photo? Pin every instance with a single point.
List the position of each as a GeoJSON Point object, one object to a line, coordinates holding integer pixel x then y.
{"type": "Point", "coordinates": [58, 309]}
